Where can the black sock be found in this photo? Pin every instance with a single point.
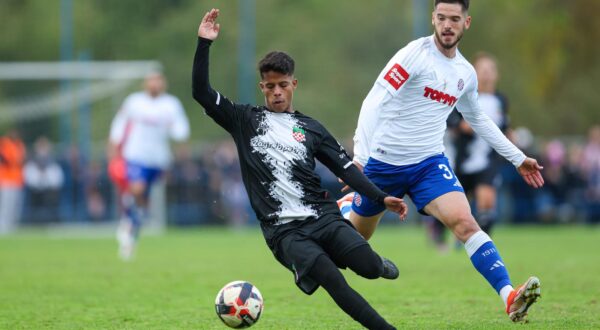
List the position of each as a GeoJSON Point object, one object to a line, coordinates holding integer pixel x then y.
{"type": "Point", "coordinates": [325, 272]}
{"type": "Point", "coordinates": [486, 220]}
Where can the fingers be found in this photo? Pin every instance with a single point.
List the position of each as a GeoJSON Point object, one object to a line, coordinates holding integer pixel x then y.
{"type": "Point", "coordinates": [534, 179]}
{"type": "Point", "coordinates": [205, 18]}
{"type": "Point", "coordinates": [211, 16]}
{"type": "Point", "coordinates": [537, 177]}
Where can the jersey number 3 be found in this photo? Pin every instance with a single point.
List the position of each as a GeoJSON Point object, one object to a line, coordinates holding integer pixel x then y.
{"type": "Point", "coordinates": [447, 173]}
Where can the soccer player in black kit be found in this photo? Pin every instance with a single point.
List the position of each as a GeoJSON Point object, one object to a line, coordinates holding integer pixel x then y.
{"type": "Point", "coordinates": [277, 147]}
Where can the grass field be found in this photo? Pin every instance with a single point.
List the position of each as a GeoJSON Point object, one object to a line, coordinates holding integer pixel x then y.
{"type": "Point", "coordinates": [65, 283]}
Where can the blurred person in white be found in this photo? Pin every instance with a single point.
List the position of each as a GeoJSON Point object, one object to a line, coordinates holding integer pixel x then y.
{"type": "Point", "coordinates": [591, 171]}
{"type": "Point", "coordinates": [44, 178]}
{"type": "Point", "coordinates": [12, 157]}
{"type": "Point", "coordinates": [140, 133]}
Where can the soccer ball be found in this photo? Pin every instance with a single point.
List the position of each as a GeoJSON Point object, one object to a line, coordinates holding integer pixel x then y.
{"type": "Point", "coordinates": [239, 304]}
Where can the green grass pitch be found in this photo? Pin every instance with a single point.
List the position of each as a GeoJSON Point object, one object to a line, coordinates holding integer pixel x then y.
{"type": "Point", "coordinates": [49, 282]}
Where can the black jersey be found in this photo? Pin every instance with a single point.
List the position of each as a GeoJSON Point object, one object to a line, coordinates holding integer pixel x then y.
{"type": "Point", "coordinates": [277, 153]}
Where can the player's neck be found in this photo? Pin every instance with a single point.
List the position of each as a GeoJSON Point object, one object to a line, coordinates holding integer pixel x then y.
{"type": "Point", "coordinates": [448, 52]}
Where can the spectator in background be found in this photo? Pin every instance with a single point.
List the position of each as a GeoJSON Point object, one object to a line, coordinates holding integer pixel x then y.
{"type": "Point", "coordinates": [554, 202]}
{"type": "Point", "coordinates": [476, 162]}
{"type": "Point", "coordinates": [44, 179]}
{"type": "Point", "coordinates": [525, 208]}
{"type": "Point", "coordinates": [187, 190]}
{"type": "Point", "coordinates": [591, 171]}
{"type": "Point", "coordinates": [140, 134]}
{"type": "Point", "coordinates": [12, 157]}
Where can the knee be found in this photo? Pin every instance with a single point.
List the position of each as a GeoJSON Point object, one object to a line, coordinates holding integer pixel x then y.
{"type": "Point", "coordinates": [369, 269]}
{"type": "Point", "coordinates": [465, 226]}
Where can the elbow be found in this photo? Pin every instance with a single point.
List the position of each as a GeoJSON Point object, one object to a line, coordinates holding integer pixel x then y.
{"type": "Point", "coordinates": [200, 97]}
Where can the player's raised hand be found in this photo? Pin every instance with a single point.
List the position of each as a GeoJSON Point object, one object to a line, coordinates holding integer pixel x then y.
{"type": "Point", "coordinates": [397, 205]}
{"type": "Point", "coordinates": [209, 28]}
{"type": "Point", "coordinates": [530, 171]}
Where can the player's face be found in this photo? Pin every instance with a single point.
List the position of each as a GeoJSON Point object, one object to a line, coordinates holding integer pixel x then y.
{"type": "Point", "coordinates": [278, 89]}
{"type": "Point", "coordinates": [449, 22]}
{"type": "Point", "coordinates": [155, 84]}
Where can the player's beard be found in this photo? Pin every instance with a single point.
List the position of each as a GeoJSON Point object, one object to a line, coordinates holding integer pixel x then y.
{"type": "Point", "coordinates": [449, 46]}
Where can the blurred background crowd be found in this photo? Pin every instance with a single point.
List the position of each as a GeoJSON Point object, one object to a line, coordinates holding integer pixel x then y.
{"type": "Point", "coordinates": [60, 89]}
{"type": "Point", "coordinates": [204, 184]}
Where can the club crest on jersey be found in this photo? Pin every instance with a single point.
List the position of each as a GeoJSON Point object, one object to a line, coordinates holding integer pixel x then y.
{"type": "Point", "coordinates": [461, 84]}
{"type": "Point", "coordinates": [298, 134]}
{"type": "Point", "coordinates": [397, 76]}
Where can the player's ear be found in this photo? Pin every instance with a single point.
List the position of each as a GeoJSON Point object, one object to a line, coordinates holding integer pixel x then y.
{"type": "Point", "coordinates": [261, 85]}
{"type": "Point", "coordinates": [295, 83]}
{"type": "Point", "coordinates": [467, 22]}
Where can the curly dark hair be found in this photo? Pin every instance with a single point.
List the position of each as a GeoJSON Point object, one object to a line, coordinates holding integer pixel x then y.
{"type": "Point", "coordinates": [463, 3]}
{"type": "Point", "coordinates": [278, 62]}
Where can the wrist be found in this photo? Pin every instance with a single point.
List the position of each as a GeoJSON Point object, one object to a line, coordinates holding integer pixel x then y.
{"type": "Point", "coordinates": [204, 40]}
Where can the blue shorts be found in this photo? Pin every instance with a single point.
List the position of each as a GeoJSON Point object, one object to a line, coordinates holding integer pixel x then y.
{"type": "Point", "coordinates": [423, 182]}
{"type": "Point", "coordinates": [137, 173]}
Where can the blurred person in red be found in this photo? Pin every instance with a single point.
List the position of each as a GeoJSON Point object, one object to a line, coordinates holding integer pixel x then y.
{"type": "Point", "coordinates": [12, 158]}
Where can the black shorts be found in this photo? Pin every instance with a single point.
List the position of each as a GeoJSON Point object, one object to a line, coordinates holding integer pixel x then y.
{"type": "Point", "coordinates": [489, 176]}
{"type": "Point", "coordinates": [298, 244]}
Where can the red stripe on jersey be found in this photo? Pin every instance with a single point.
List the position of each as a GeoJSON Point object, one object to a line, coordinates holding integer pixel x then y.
{"type": "Point", "coordinates": [397, 76]}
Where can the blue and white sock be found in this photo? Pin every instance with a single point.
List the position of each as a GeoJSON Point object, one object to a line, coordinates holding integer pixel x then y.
{"type": "Point", "coordinates": [345, 209]}
{"type": "Point", "coordinates": [487, 261]}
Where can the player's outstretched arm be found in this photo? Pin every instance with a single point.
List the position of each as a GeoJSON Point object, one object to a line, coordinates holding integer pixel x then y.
{"type": "Point", "coordinates": [209, 28]}
{"type": "Point", "coordinates": [530, 171]}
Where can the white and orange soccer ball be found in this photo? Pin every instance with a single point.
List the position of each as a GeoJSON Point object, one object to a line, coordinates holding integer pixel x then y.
{"type": "Point", "coordinates": [239, 304]}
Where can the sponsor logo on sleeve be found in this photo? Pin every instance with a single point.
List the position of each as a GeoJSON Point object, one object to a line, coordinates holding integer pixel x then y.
{"type": "Point", "coordinates": [397, 76]}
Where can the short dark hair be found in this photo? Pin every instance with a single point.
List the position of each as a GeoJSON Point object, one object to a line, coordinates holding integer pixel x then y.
{"type": "Point", "coordinates": [278, 62]}
{"type": "Point", "coordinates": [463, 3]}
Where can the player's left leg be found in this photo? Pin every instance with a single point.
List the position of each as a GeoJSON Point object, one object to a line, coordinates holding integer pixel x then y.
{"type": "Point", "coordinates": [327, 275]}
{"type": "Point", "coordinates": [453, 210]}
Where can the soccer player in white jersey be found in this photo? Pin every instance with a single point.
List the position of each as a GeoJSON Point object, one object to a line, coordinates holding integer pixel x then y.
{"type": "Point", "coordinates": [140, 134]}
{"type": "Point", "coordinates": [399, 137]}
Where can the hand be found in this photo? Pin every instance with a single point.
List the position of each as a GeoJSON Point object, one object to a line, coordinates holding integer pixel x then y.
{"type": "Point", "coordinates": [208, 28]}
{"type": "Point", "coordinates": [397, 205]}
{"type": "Point", "coordinates": [347, 187]}
{"type": "Point", "coordinates": [530, 171]}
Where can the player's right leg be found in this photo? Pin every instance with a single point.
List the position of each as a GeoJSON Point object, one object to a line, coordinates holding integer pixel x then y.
{"type": "Point", "coordinates": [365, 225]}
{"type": "Point", "coordinates": [453, 210]}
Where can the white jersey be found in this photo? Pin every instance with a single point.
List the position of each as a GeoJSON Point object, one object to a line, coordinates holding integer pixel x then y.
{"type": "Point", "coordinates": [403, 118]}
{"type": "Point", "coordinates": [145, 124]}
